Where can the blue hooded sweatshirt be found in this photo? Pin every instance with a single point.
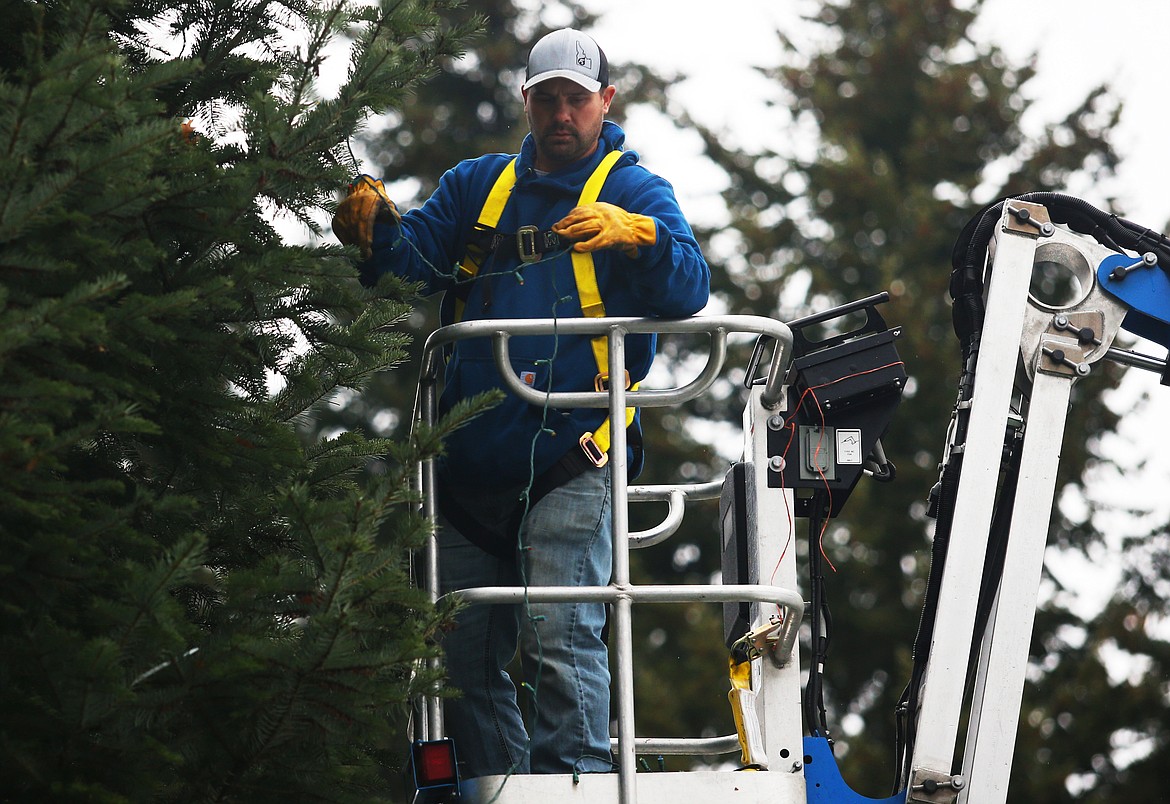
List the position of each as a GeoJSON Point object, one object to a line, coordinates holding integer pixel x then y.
{"type": "Point", "coordinates": [515, 441]}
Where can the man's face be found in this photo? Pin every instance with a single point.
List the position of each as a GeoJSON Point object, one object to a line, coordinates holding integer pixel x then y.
{"type": "Point", "coordinates": [565, 120]}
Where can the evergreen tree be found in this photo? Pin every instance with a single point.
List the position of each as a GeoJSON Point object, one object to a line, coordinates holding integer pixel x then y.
{"type": "Point", "coordinates": [470, 107]}
{"type": "Point", "coordinates": [198, 603]}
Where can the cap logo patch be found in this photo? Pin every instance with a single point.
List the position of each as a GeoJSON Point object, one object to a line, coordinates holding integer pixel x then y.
{"type": "Point", "coordinates": [582, 59]}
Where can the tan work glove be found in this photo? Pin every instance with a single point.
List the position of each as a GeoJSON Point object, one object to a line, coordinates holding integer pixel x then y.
{"type": "Point", "coordinates": [365, 202]}
{"type": "Point", "coordinates": [600, 225]}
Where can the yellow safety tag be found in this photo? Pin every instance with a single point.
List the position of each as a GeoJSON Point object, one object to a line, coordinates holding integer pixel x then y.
{"type": "Point", "coordinates": [743, 710]}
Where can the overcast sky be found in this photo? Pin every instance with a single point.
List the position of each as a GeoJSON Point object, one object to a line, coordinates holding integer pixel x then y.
{"type": "Point", "coordinates": [1079, 44]}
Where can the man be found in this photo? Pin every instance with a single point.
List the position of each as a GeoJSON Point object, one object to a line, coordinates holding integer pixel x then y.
{"type": "Point", "coordinates": [524, 492]}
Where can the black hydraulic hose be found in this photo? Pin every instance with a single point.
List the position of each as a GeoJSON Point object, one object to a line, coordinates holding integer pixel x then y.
{"type": "Point", "coordinates": [826, 641]}
{"type": "Point", "coordinates": [1107, 229]}
{"type": "Point", "coordinates": [996, 553]}
{"type": "Point", "coordinates": [968, 254]}
{"type": "Point", "coordinates": [908, 705]}
{"type": "Point", "coordinates": [814, 707]}
{"type": "Point", "coordinates": [900, 740]}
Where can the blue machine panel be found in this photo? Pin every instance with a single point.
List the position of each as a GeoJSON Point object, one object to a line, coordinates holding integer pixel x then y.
{"type": "Point", "coordinates": [1145, 290]}
{"type": "Point", "coordinates": [823, 782]}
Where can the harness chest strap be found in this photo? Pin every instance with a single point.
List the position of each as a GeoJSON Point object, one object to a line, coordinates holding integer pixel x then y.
{"type": "Point", "coordinates": [489, 217]}
{"type": "Point", "coordinates": [596, 444]}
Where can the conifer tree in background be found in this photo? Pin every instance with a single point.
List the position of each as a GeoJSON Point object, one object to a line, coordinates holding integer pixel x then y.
{"type": "Point", "coordinates": [197, 603]}
{"type": "Point", "coordinates": [910, 114]}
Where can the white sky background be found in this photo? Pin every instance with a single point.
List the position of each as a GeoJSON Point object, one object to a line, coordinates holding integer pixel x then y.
{"type": "Point", "coordinates": [1079, 44]}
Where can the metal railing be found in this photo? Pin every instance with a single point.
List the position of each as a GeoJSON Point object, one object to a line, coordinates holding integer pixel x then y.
{"type": "Point", "coordinates": [620, 592]}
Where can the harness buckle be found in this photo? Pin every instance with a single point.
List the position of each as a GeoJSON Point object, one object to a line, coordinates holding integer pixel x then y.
{"type": "Point", "coordinates": [601, 382]}
{"type": "Point", "coordinates": [593, 453]}
{"type": "Point", "coordinates": [526, 243]}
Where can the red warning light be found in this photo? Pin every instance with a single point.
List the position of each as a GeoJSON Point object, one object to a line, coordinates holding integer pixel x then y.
{"type": "Point", "coordinates": [434, 763]}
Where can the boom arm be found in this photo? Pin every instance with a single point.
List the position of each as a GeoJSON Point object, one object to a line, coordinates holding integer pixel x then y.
{"type": "Point", "coordinates": [1026, 355]}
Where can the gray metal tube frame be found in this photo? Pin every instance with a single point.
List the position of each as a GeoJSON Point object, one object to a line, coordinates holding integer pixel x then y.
{"type": "Point", "coordinates": [500, 330]}
{"type": "Point", "coordinates": [620, 593]}
{"type": "Point", "coordinates": [787, 600]}
{"type": "Point", "coordinates": [1128, 357]}
{"type": "Point", "coordinates": [676, 497]}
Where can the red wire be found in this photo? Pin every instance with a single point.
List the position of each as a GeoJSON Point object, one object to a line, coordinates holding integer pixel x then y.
{"type": "Point", "coordinates": [788, 514]}
{"type": "Point", "coordinates": [811, 391]}
{"type": "Point", "coordinates": [825, 480]}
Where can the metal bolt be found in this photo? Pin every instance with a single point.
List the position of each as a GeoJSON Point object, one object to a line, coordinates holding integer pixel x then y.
{"type": "Point", "coordinates": [932, 786]}
{"type": "Point", "coordinates": [1147, 260]}
{"type": "Point", "coordinates": [1025, 217]}
{"type": "Point", "coordinates": [775, 421]}
{"type": "Point", "coordinates": [776, 463]}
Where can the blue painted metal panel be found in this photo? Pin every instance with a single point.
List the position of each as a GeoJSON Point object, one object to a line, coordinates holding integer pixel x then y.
{"type": "Point", "coordinates": [1145, 290]}
{"type": "Point", "coordinates": [823, 780]}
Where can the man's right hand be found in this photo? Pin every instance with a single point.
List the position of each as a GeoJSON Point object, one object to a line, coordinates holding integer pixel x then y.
{"type": "Point", "coordinates": [365, 202]}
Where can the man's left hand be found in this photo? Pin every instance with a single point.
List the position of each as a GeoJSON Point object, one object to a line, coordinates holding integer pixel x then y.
{"type": "Point", "coordinates": [600, 225]}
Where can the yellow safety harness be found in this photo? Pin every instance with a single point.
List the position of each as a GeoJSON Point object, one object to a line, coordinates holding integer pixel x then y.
{"type": "Point", "coordinates": [595, 445]}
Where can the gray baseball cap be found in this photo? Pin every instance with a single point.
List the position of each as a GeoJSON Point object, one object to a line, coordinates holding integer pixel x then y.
{"type": "Point", "coordinates": [567, 54]}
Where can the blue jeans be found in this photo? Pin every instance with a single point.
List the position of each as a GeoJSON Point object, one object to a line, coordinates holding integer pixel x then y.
{"type": "Point", "coordinates": [568, 540]}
